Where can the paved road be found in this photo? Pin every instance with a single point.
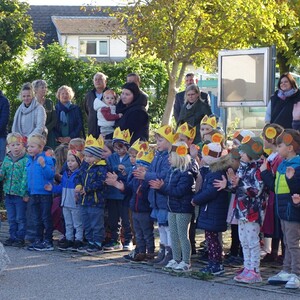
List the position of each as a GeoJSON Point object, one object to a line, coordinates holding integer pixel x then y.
{"type": "Point", "coordinates": [56, 275]}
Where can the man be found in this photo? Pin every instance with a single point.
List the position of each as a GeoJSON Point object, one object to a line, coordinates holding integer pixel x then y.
{"type": "Point", "coordinates": [179, 99]}
{"type": "Point", "coordinates": [143, 97]}
{"type": "Point", "coordinates": [4, 117]}
{"type": "Point", "coordinates": [99, 81]}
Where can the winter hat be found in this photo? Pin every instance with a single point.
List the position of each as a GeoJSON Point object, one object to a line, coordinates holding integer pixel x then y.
{"type": "Point", "coordinates": [145, 158]}
{"type": "Point", "coordinates": [166, 132]}
{"type": "Point", "coordinates": [211, 152]}
{"type": "Point", "coordinates": [252, 146]}
{"type": "Point", "coordinates": [77, 155]}
{"type": "Point", "coordinates": [94, 147]}
{"type": "Point", "coordinates": [271, 132]}
{"type": "Point", "coordinates": [240, 134]}
{"type": "Point", "coordinates": [122, 136]}
{"type": "Point", "coordinates": [38, 139]}
{"type": "Point", "coordinates": [131, 86]}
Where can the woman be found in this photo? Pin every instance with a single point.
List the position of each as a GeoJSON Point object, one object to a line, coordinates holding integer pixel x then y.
{"type": "Point", "coordinates": [70, 123]}
{"type": "Point", "coordinates": [30, 117]}
{"type": "Point", "coordinates": [281, 106]}
{"type": "Point", "coordinates": [40, 91]}
{"type": "Point", "coordinates": [135, 117]}
{"type": "Point", "coordinates": [193, 110]}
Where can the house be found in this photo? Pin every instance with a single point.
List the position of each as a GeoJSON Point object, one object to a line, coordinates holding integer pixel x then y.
{"type": "Point", "coordinates": [85, 33]}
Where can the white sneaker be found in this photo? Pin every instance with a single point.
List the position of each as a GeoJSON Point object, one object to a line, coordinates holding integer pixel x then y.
{"type": "Point", "coordinates": [293, 283]}
{"type": "Point", "coordinates": [182, 267]}
{"type": "Point", "coordinates": [281, 278]}
{"type": "Point", "coordinates": [172, 264]}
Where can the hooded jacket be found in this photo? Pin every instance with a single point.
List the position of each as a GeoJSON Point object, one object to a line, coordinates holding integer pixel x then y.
{"type": "Point", "coordinates": [213, 203]}
{"type": "Point", "coordinates": [4, 115]}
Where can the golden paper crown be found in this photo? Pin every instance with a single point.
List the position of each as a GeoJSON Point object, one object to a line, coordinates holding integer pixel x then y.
{"type": "Point", "coordinates": [166, 132]}
{"type": "Point", "coordinates": [92, 142]}
{"type": "Point", "coordinates": [122, 135]}
{"type": "Point", "coordinates": [211, 121]}
{"type": "Point", "coordinates": [186, 130]}
{"type": "Point", "coordinates": [145, 156]}
{"type": "Point", "coordinates": [140, 145]}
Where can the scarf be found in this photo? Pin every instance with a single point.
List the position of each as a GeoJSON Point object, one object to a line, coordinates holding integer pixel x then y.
{"type": "Point", "coordinates": [64, 110]}
{"type": "Point", "coordinates": [283, 95]}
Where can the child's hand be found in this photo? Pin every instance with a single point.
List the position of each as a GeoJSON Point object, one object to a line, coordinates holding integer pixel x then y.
{"type": "Point", "coordinates": [26, 199]}
{"type": "Point", "coordinates": [194, 151]}
{"type": "Point", "coordinates": [290, 172]}
{"type": "Point", "coordinates": [121, 169]}
{"type": "Point", "coordinates": [220, 184]}
{"type": "Point", "coordinates": [120, 115]}
{"type": "Point", "coordinates": [296, 112]}
{"type": "Point", "coordinates": [111, 178]}
{"type": "Point", "coordinates": [139, 173]}
{"type": "Point", "coordinates": [235, 181]}
{"type": "Point", "coordinates": [156, 184]}
{"type": "Point", "coordinates": [41, 161]}
{"type": "Point", "coordinates": [264, 166]}
{"type": "Point", "coordinates": [48, 187]}
{"type": "Point", "coordinates": [296, 199]}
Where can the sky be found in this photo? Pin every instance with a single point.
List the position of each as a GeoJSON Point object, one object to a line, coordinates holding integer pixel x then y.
{"type": "Point", "coordinates": [75, 2]}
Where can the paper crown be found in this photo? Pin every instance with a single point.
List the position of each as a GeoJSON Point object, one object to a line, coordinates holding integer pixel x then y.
{"type": "Point", "coordinates": [166, 132]}
{"type": "Point", "coordinates": [240, 134]}
{"type": "Point", "coordinates": [122, 136]}
{"type": "Point", "coordinates": [145, 157]}
{"type": "Point", "coordinates": [271, 132]}
{"type": "Point", "coordinates": [211, 121]}
{"type": "Point", "coordinates": [287, 138]}
{"type": "Point", "coordinates": [252, 146]}
{"type": "Point", "coordinates": [140, 145]}
{"type": "Point", "coordinates": [92, 142]}
{"type": "Point", "coordinates": [186, 130]}
{"type": "Point", "coordinates": [211, 152]}
{"type": "Point", "coordinates": [15, 138]}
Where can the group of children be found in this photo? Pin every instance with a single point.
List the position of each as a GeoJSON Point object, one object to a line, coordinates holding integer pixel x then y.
{"type": "Point", "coordinates": [178, 185]}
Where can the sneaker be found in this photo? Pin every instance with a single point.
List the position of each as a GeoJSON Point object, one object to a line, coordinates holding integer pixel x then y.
{"type": "Point", "coordinates": [128, 246]}
{"type": "Point", "coordinates": [240, 274]}
{"type": "Point", "coordinates": [213, 269]}
{"type": "Point", "coordinates": [281, 278]}
{"type": "Point", "coordinates": [18, 243]}
{"type": "Point", "coordinates": [130, 256]}
{"type": "Point", "coordinates": [182, 267]}
{"type": "Point", "coordinates": [171, 265]}
{"type": "Point", "coordinates": [293, 283]}
{"type": "Point", "coordinates": [139, 257]}
{"type": "Point", "coordinates": [8, 242]}
{"type": "Point", "coordinates": [76, 245]}
{"type": "Point", "coordinates": [66, 245]}
{"type": "Point", "coordinates": [44, 246]}
{"type": "Point", "coordinates": [33, 245]}
{"type": "Point", "coordinates": [83, 248]}
{"type": "Point", "coordinates": [113, 246]}
{"type": "Point", "coordinates": [250, 277]}
{"type": "Point", "coordinates": [94, 248]}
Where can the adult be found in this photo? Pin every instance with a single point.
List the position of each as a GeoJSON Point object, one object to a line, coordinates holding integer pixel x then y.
{"type": "Point", "coordinates": [135, 117]}
{"type": "Point", "coordinates": [70, 123]}
{"type": "Point", "coordinates": [4, 117]}
{"type": "Point", "coordinates": [280, 107]}
{"type": "Point", "coordinates": [30, 117]}
{"type": "Point", "coordinates": [143, 97]}
{"type": "Point", "coordinates": [99, 81]}
{"type": "Point", "coordinates": [179, 98]}
{"type": "Point", "coordinates": [193, 110]}
{"type": "Point", "coordinates": [40, 89]}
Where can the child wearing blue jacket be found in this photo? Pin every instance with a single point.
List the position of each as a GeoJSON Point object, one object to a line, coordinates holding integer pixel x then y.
{"type": "Point", "coordinates": [117, 203]}
{"type": "Point", "coordinates": [40, 171]}
{"type": "Point", "coordinates": [69, 203]}
{"type": "Point", "coordinates": [158, 169]}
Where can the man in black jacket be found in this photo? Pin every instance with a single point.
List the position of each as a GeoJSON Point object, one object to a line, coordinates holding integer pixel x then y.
{"type": "Point", "coordinates": [4, 117]}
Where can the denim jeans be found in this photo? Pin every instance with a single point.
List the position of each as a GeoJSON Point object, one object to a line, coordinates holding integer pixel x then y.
{"type": "Point", "coordinates": [41, 215]}
{"type": "Point", "coordinates": [16, 214]}
{"type": "Point", "coordinates": [93, 223]}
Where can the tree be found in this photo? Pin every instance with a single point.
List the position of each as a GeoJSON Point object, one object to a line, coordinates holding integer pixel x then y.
{"type": "Point", "coordinates": [16, 31]}
{"type": "Point", "coordinates": [180, 32]}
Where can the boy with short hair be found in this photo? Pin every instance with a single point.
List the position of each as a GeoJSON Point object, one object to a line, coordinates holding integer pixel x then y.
{"type": "Point", "coordinates": [13, 174]}
{"type": "Point", "coordinates": [40, 171]}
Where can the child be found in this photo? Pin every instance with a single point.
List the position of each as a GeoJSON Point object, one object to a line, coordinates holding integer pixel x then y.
{"type": "Point", "coordinates": [117, 204]}
{"type": "Point", "coordinates": [250, 206]}
{"type": "Point", "coordinates": [71, 211]}
{"type": "Point", "coordinates": [179, 186]}
{"type": "Point", "coordinates": [158, 169]}
{"type": "Point", "coordinates": [213, 206]}
{"type": "Point", "coordinates": [13, 174]}
{"type": "Point", "coordinates": [90, 186]}
{"type": "Point", "coordinates": [139, 205]}
{"type": "Point", "coordinates": [40, 171]}
{"type": "Point", "coordinates": [287, 184]}
{"type": "Point", "coordinates": [106, 113]}
{"type": "Point", "coordinates": [271, 227]}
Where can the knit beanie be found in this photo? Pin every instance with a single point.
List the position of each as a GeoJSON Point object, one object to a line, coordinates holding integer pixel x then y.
{"type": "Point", "coordinates": [211, 152]}
{"type": "Point", "coordinates": [240, 134]}
{"type": "Point", "coordinates": [252, 146]}
{"type": "Point", "coordinates": [131, 86]}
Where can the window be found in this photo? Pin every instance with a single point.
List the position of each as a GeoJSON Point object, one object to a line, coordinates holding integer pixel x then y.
{"type": "Point", "coordinates": [94, 48]}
